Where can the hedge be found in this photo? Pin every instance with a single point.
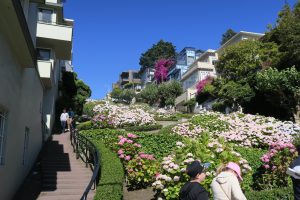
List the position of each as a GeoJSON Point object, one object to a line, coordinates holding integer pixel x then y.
{"type": "Point", "coordinates": [110, 186]}
{"type": "Point", "coordinates": [144, 127]}
{"type": "Point", "coordinates": [158, 144]}
{"type": "Point", "coordinates": [171, 118]}
{"type": "Point", "coordinates": [274, 194]}
{"type": "Point", "coordinates": [85, 125]}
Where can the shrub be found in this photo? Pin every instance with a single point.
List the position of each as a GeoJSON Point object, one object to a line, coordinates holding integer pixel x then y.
{"type": "Point", "coordinates": [128, 147]}
{"type": "Point", "coordinates": [219, 106]}
{"type": "Point", "coordinates": [141, 170]}
{"type": "Point", "coordinates": [275, 164]}
{"type": "Point", "coordinates": [285, 193]}
{"type": "Point", "coordinates": [173, 175]}
{"type": "Point", "coordinates": [170, 118]}
{"type": "Point", "coordinates": [159, 144]}
{"type": "Point", "coordinates": [144, 127]}
{"type": "Point", "coordinates": [110, 186]}
{"type": "Point", "coordinates": [85, 125]}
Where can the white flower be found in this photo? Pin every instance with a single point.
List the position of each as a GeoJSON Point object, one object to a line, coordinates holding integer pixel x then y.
{"type": "Point", "coordinates": [176, 178]}
{"type": "Point", "coordinates": [165, 190]}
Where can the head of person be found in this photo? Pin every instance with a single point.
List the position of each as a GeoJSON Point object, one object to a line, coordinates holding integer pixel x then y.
{"type": "Point", "coordinates": [195, 171]}
{"type": "Point", "coordinates": [298, 149]}
{"type": "Point", "coordinates": [64, 110]}
{"type": "Point", "coordinates": [235, 169]}
{"type": "Point", "coordinates": [70, 109]}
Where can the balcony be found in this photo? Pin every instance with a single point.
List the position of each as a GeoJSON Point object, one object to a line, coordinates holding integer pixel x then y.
{"type": "Point", "coordinates": [46, 72]}
{"type": "Point", "coordinates": [52, 35]}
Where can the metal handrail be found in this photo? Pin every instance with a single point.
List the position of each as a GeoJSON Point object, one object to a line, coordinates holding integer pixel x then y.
{"type": "Point", "coordinates": [89, 154]}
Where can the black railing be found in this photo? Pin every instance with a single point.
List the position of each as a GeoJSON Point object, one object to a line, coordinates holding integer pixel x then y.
{"type": "Point", "coordinates": [44, 131]}
{"type": "Point", "coordinates": [89, 154]}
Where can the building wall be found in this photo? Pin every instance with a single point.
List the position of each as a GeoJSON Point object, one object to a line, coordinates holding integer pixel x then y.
{"type": "Point", "coordinates": [21, 96]}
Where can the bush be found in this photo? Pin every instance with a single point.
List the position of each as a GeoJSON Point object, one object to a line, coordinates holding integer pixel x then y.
{"type": "Point", "coordinates": [144, 127]}
{"type": "Point", "coordinates": [110, 186]}
{"type": "Point", "coordinates": [170, 118]}
{"type": "Point", "coordinates": [159, 144]}
{"type": "Point", "coordinates": [275, 194]}
{"type": "Point", "coordinates": [219, 106]}
{"type": "Point", "coordinates": [85, 125]}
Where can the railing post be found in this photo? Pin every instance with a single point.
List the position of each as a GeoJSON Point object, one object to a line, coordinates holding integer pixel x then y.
{"type": "Point", "coordinates": [86, 155]}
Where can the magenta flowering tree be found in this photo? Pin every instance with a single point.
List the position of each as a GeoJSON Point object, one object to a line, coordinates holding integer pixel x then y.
{"type": "Point", "coordinates": [161, 69]}
{"type": "Point", "coordinates": [200, 86]}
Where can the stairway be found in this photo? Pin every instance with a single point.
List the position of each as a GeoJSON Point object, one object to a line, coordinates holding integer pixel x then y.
{"type": "Point", "coordinates": [63, 176]}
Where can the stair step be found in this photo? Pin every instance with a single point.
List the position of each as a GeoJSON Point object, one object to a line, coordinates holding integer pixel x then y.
{"type": "Point", "coordinates": [65, 186]}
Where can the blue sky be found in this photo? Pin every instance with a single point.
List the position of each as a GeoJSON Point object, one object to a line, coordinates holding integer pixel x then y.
{"type": "Point", "coordinates": [110, 35]}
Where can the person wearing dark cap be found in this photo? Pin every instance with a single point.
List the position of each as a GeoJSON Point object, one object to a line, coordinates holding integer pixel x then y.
{"type": "Point", "coordinates": [193, 190]}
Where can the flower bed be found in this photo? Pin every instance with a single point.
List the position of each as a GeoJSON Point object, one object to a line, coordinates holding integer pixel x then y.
{"type": "Point", "coordinates": [118, 116]}
{"type": "Point", "coordinates": [173, 176]}
{"type": "Point", "coordinates": [243, 130]}
{"type": "Point", "coordinates": [165, 115]}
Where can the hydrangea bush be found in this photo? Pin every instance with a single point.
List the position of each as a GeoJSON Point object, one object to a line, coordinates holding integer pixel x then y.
{"type": "Point", "coordinates": [120, 116]}
{"type": "Point", "coordinates": [275, 164]}
{"type": "Point", "coordinates": [242, 129]}
{"type": "Point", "coordinates": [173, 176]}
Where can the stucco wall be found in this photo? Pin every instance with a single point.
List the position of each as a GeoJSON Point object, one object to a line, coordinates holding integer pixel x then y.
{"type": "Point", "coordinates": [21, 96]}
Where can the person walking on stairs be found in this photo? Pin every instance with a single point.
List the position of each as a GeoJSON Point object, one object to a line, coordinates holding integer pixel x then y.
{"type": "Point", "coordinates": [63, 120]}
{"type": "Point", "coordinates": [70, 119]}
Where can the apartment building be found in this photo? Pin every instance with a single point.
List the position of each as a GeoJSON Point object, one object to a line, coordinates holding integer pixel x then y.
{"type": "Point", "coordinates": [184, 59]}
{"type": "Point", "coordinates": [34, 37]}
{"type": "Point", "coordinates": [147, 76]}
{"type": "Point", "coordinates": [204, 66]}
{"type": "Point", "coordinates": [130, 76]}
{"type": "Point", "coordinates": [242, 35]}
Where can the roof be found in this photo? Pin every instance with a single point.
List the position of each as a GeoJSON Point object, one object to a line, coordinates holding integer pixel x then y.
{"type": "Point", "coordinates": [241, 33]}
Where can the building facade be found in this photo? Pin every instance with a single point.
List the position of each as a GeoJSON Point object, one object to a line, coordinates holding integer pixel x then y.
{"type": "Point", "coordinates": [33, 38]}
{"type": "Point", "coordinates": [129, 77]}
{"type": "Point", "coordinates": [147, 76]}
{"type": "Point", "coordinates": [204, 66]}
{"type": "Point", "coordinates": [184, 59]}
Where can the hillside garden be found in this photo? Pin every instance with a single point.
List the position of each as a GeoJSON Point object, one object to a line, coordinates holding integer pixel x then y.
{"type": "Point", "coordinates": [263, 146]}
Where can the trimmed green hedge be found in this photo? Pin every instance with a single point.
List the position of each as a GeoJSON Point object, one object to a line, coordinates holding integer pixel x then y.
{"type": "Point", "coordinates": [275, 194]}
{"type": "Point", "coordinates": [158, 144]}
{"type": "Point", "coordinates": [171, 118]}
{"type": "Point", "coordinates": [85, 125]}
{"type": "Point", "coordinates": [110, 186]}
{"type": "Point", "coordinates": [144, 128]}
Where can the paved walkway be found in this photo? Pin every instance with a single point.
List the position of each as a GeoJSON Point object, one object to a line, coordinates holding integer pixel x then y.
{"type": "Point", "coordinates": [63, 177]}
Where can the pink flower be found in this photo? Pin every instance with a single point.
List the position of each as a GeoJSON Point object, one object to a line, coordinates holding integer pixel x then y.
{"type": "Point", "coordinates": [137, 145]}
{"type": "Point", "coordinates": [120, 151]}
{"type": "Point", "coordinates": [130, 141]}
{"type": "Point", "coordinates": [127, 158]}
{"type": "Point", "coordinates": [121, 156]}
{"type": "Point", "coordinates": [130, 135]}
{"type": "Point", "coordinates": [266, 166]}
{"type": "Point", "coordinates": [130, 170]}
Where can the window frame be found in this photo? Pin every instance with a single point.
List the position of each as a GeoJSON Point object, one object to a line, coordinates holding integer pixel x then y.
{"type": "Point", "coordinates": [43, 49]}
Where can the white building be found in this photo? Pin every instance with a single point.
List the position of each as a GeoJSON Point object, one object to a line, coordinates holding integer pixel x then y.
{"type": "Point", "coordinates": [199, 70]}
{"type": "Point", "coordinates": [33, 38]}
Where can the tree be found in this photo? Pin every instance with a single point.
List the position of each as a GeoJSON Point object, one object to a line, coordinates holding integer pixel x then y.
{"type": "Point", "coordinates": [227, 36]}
{"type": "Point", "coordinates": [161, 69]}
{"type": "Point", "coordinates": [235, 94]}
{"type": "Point", "coordinates": [281, 88]}
{"type": "Point", "coordinates": [127, 95]}
{"type": "Point", "coordinates": [286, 34]}
{"type": "Point", "coordinates": [242, 60]}
{"type": "Point", "coordinates": [116, 93]}
{"type": "Point", "coordinates": [150, 94]}
{"type": "Point", "coordinates": [168, 91]}
{"type": "Point", "coordinates": [83, 92]}
{"type": "Point", "coordinates": [158, 51]}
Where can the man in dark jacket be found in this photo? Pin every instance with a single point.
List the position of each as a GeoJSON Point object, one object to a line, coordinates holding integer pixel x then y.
{"type": "Point", "coordinates": [296, 181]}
{"type": "Point", "coordinates": [192, 190]}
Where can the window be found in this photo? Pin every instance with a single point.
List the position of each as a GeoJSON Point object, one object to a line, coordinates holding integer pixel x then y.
{"type": "Point", "coordinates": [43, 54]}
{"type": "Point", "coordinates": [26, 140]}
{"type": "Point", "coordinates": [3, 118]}
{"type": "Point", "coordinates": [45, 15]}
